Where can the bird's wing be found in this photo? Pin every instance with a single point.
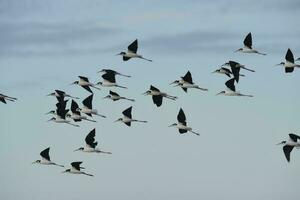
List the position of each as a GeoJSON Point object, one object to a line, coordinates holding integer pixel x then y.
{"type": "Point", "coordinates": [84, 78]}
{"type": "Point", "coordinates": [74, 107]}
{"type": "Point", "coordinates": [60, 93]}
{"type": "Point", "coordinates": [90, 138]}
{"type": "Point", "coordinates": [45, 154]}
{"type": "Point", "coordinates": [157, 100]}
{"type": "Point", "coordinates": [230, 84]}
{"type": "Point", "coordinates": [87, 88]}
{"type": "Point", "coordinates": [294, 137]}
{"type": "Point", "coordinates": [248, 41]}
{"type": "Point", "coordinates": [76, 165]}
{"type": "Point", "coordinates": [62, 112]}
{"type": "Point", "coordinates": [61, 104]}
{"type": "Point", "coordinates": [289, 69]}
{"type": "Point", "coordinates": [236, 73]}
{"type": "Point", "coordinates": [181, 116]}
{"type": "Point", "coordinates": [111, 77]}
{"type": "Point", "coordinates": [154, 88]}
{"type": "Point", "coordinates": [126, 58]}
{"type": "Point", "coordinates": [289, 56]}
{"type": "Point", "coordinates": [127, 112]}
{"type": "Point", "coordinates": [87, 102]}
{"type": "Point", "coordinates": [128, 123]}
{"type": "Point", "coordinates": [184, 89]}
{"type": "Point", "coordinates": [113, 93]}
{"type": "Point", "coordinates": [188, 77]}
{"type": "Point", "coordinates": [3, 100]}
{"type": "Point", "coordinates": [133, 46]}
{"type": "Point", "coordinates": [181, 131]}
{"type": "Point", "coordinates": [287, 151]}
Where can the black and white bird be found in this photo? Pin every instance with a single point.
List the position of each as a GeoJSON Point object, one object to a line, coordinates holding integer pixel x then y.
{"type": "Point", "coordinates": [187, 82]}
{"type": "Point", "coordinates": [248, 46]}
{"type": "Point", "coordinates": [60, 94]}
{"type": "Point", "coordinates": [294, 141]}
{"type": "Point", "coordinates": [61, 113]}
{"type": "Point", "coordinates": [289, 63]}
{"type": "Point", "coordinates": [182, 125]}
{"type": "Point", "coordinates": [76, 115]}
{"type": "Point", "coordinates": [109, 80]}
{"type": "Point", "coordinates": [85, 83]}
{"type": "Point", "coordinates": [75, 169]}
{"type": "Point", "coordinates": [132, 52]}
{"type": "Point", "coordinates": [113, 72]}
{"type": "Point", "coordinates": [90, 146]}
{"type": "Point", "coordinates": [231, 90]}
{"type": "Point", "coordinates": [46, 159]}
{"type": "Point", "coordinates": [115, 96]}
{"type": "Point", "coordinates": [233, 65]}
{"type": "Point", "coordinates": [127, 117]}
{"type": "Point", "coordinates": [88, 107]}
{"type": "Point", "coordinates": [227, 72]}
{"type": "Point", "coordinates": [4, 98]}
{"type": "Point", "coordinates": [157, 95]}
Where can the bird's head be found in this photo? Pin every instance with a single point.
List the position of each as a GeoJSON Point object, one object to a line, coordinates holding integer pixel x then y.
{"type": "Point", "coordinates": [121, 53]}
{"type": "Point", "coordinates": [172, 125]}
{"type": "Point", "coordinates": [102, 71]}
{"type": "Point", "coordinates": [226, 64]}
{"type": "Point", "coordinates": [148, 92]}
{"type": "Point", "coordinates": [282, 63]}
{"type": "Point", "coordinates": [240, 49]}
{"type": "Point", "coordinates": [119, 120]}
{"type": "Point", "coordinates": [37, 161]}
{"type": "Point", "coordinates": [79, 149]}
{"type": "Point", "coordinates": [66, 171]}
{"type": "Point", "coordinates": [216, 71]}
{"type": "Point", "coordinates": [75, 83]}
{"type": "Point", "coordinates": [282, 143]}
{"type": "Point", "coordinates": [220, 93]}
{"type": "Point", "coordinates": [68, 115]}
{"type": "Point", "coordinates": [175, 82]}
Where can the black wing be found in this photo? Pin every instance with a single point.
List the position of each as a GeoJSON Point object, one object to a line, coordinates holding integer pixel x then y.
{"type": "Point", "coordinates": [87, 88]}
{"type": "Point", "coordinates": [133, 46]}
{"type": "Point", "coordinates": [111, 77]}
{"type": "Point", "coordinates": [74, 107]}
{"type": "Point", "coordinates": [84, 78]}
{"type": "Point", "coordinates": [230, 84]}
{"type": "Point", "coordinates": [157, 100]}
{"type": "Point", "coordinates": [248, 41]}
{"type": "Point", "coordinates": [181, 131]}
{"type": "Point", "coordinates": [294, 137]}
{"type": "Point", "coordinates": [128, 123]}
{"type": "Point", "coordinates": [127, 112]}
{"type": "Point", "coordinates": [154, 88]}
{"type": "Point", "coordinates": [184, 89]}
{"type": "Point", "coordinates": [289, 69]}
{"type": "Point", "coordinates": [181, 116]}
{"type": "Point", "coordinates": [125, 58]}
{"type": "Point", "coordinates": [90, 139]}
{"type": "Point", "coordinates": [87, 102]}
{"type": "Point", "coordinates": [188, 77]}
{"type": "Point", "coordinates": [76, 165]}
{"type": "Point", "coordinates": [236, 73]}
{"type": "Point", "coordinates": [45, 154]}
{"type": "Point", "coordinates": [289, 56]}
{"type": "Point", "coordinates": [113, 93]}
{"type": "Point", "coordinates": [62, 112]}
{"type": "Point", "coordinates": [110, 71]}
{"type": "Point", "coordinates": [233, 63]}
{"type": "Point", "coordinates": [60, 93]}
{"type": "Point", "coordinates": [3, 100]}
{"type": "Point", "coordinates": [287, 151]}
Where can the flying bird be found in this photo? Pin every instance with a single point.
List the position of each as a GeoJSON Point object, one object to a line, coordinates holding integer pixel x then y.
{"type": "Point", "coordinates": [60, 94]}
{"type": "Point", "coordinates": [75, 169]}
{"type": "Point", "coordinates": [113, 72]}
{"type": "Point", "coordinates": [109, 80]}
{"type": "Point", "coordinates": [248, 46]}
{"type": "Point", "coordinates": [132, 52]}
{"type": "Point", "coordinates": [289, 63]}
{"type": "Point", "coordinates": [115, 96]}
{"type": "Point", "coordinates": [290, 144]}
{"type": "Point", "coordinates": [88, 107]}
{"type": "Point", "coordinates": [76, 115]}
{"type": "Point", "coordinates": [231, 90]}
{"type": "Point", "coordinates": [85, 83]}
{"type": "Point", "coordinates": [182, 125]}
{"type": "Point", "coordinates": [90, 146]}
{"type": "Point", "coordinates": [4, 98]}
{"type": "Point", "coordinates": [227, 72]}
{"type": "Point", "coordinates": [46, 158]}
{"type": "Point", "coordinates": [187, 82]}
{"type": "Point", "coordinates": [127, 117]}
{"type": "Point", "coordinates": [233, 65]}
{"type": "Point", "coordinates": [157, 95]}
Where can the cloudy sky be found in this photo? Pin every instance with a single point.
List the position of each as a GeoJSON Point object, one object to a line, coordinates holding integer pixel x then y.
{"type": "Point", "coordinates": [45, 45]}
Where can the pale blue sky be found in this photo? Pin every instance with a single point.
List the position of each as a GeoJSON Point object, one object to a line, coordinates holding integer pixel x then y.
{"type": "Point", "coordinates": [45, 45]}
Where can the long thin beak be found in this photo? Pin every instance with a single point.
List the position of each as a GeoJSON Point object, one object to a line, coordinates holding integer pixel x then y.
{"type": "Point", "coordinates": [76, 150]}
{"type": "Point", "coordinates": [279, 143]}
{"type": "Point", "coordinates": [118, 54]}
{"type": "Point", "coordinates": [171, 125]}
{"type": "Point", "coordinates": [237, 50]}
{"type": "Point", "coordinates": [278, 64]}
{"type": "Point", "coordinates": [172, 83]}
{"type": "Point", "coordinates": [48, 95]}
{"type": "Point", "coordinates": [218, 93]}
{"type": "Point", "coordinates": [63, 172]}
{"type": "Point", "coordinates": [145, 93]}
{"type": "Point", "coordinates": [49, 120]}
{"type": "Point", "coordinates": [214, 72]}
{"type": "Point", "coordinates": [33, 162]}
{"type": "Point", "coordinates": [116, 120]}
{"type": "Point", "coordinates": [48, 113]}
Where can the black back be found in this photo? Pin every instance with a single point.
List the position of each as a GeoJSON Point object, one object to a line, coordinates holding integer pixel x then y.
{"type": "Point", "coordinates": [181, 116]}
{"type": "Point", "coordinates": [133, 46]}
{"type": "Point", "coordinates": [230, 84]}
{"type": "Point", "coordinates": [154, 88]}
{"type": "Point", "coordinates": [84, 78]}
{"type": "Point", "coordinates": [45, 153]}
{"type": "Point", "coordinates": [248, 40]}
{"type": "Point", "coordinates": [111, 77]}
{"type": "Point", "coordinates": [87, 102]}
{"type": "Point", "coordinates": [294, 137]}
{"type": "Point", "coordinates": [62, 112]}
{"type": "Point", "coordinates": [127, 112]}
{"type": "Point", "coordinates": [188, 77]}
{"type": "Point", "coordinates": [90, 139]}
{"type": "Point", "coordinates": [76, 165]}
{"type": "Point", "coordinates": [289, 56]}
{"type": "Point", "coordinates": [2, 100]}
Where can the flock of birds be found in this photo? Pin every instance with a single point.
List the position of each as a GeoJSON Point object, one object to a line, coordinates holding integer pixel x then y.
{"type": "Point", "coordinates": [63, 115]}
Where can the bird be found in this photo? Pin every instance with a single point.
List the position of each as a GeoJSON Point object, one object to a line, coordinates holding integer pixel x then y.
{"type": "Point", "coordinates": [290, 144]}
{"type": "Point", "coordinates": [84, 82]}
{"type": "Point", "coordinates": [132, 52]}
{"type": "Point", "coordinates": [60, 94]}
{"type": "Point", "coordinates": [182, 125]}
{"type": "Point", "coordinates": [90, 146]}
{"type": "Point", "coordinates": [187, 82]}
{"type": "Point", "coordinates": [113, 72]}
{"type": "Point", "coordinates": [248, 46]}
{"type": "Point", "coordinates": [88, 107]}
{"type": "Point", "coordinates": [115, 96]}
{"type": "Point", "coordinates": [127, 117]}
{"type": "Point", "coordinates": [234, 65]}
{"type": "Point", "coordinates": [231, 90]}
{"type": "Point", "coordinates": [76, 116]}
{"type": "Point", "coordinates": [75, 169]}
{"type": "Point", "coordinates": [157, 95]}
{"type": "Point", "coordinates": [3, 98]}
{"type": "Point", "coordinates": [109, 80]}
{"type": "Point", "coordinates": [289, 63]}
{"type": "Point", "coordinates": [227, 72]}
{"type": "Point", "coordinates": [46, 159]}
{"type": "Point", "coordinates": [61, 113]}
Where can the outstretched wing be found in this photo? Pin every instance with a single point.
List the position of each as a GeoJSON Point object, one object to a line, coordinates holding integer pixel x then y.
{"type": "Point", "coordinates": [88, 102]}
{"type": "Point", "coordinates": [248, 41]}
{"type": "Point", "coordinates": [45, 154]}
{"type": "Point", "coordinates": [76, 165]}
{"type": "Point", "coordinates": [181, 116]}
{"type": "Point", "coordinates": [127, 112]}
{"type": "Point", "coordinates": [188, 77]}
{"type": "Point", "coordinates": [289, 56]}
{"type": "Point", "coordinates": [230, 84]}
{"type": "Point", "coordinates": [90, 139]}
{"type": "Point", "coordinates": [133, 46]}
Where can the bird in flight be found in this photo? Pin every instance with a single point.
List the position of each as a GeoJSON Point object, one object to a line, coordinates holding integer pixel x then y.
{"type": "Point", "coordinates": [289, 63]}
{"type": "Point", "coordinates": [46, 159]}
{"type": "Point", "coordinates": [132, 52]}
{"type": "Point", "coordinates": [75, 169]}
{"type": "Point", "coordinates": [288, 146]}
{"type": "Point", "coordinates": [4, 98]}
{"type": "Point", "coordinates": [248, 46]}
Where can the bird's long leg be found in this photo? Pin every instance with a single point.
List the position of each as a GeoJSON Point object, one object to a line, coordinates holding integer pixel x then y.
{"type": "Point", "coordinates": [89, 120]}
{"type": "Point", "coordinates": [145, 59]}
{"type": "Point", "coordinates": [106, 152]}
{"type": "Point", "coordinates": [13, 98]}
{"type": "Point", "coordinates": [246, 95]}
{"type": "Point", "coordinates": [87, 174]}
{"type": "Point", "coordinates": [58, 165]}
{"type": "Point", "coordinates": [203, 89]}
{"type": "Point", "coordinates": [72, 124]}
{"type": "Point", "coordinates": [135, 120]}
{"type": "Point", "coordinates": [100, 115]}
{"type": "Point", "coordinates": [119, 86]}
{"type": "Point", "coordinates": [251, 70]}
{"type": "Point", "coordinates": [124, 75]}
{"type": "Point", "coordinates": [195, 133]}
{"type": "Point", "coordinates": [9, 99]}
{"type": "Point", "coordinates": [261, 53]}
{"type": "Point", "coordinates": [242, 75]}
{"type": "Point", "coordinates": [95, 87]}
{"type": "Point", "coordinates": [72, 97]}
{"type": "Point", "coordinates": [129, 99]}
{"type": "Point", "coordinates": [170, 97]}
